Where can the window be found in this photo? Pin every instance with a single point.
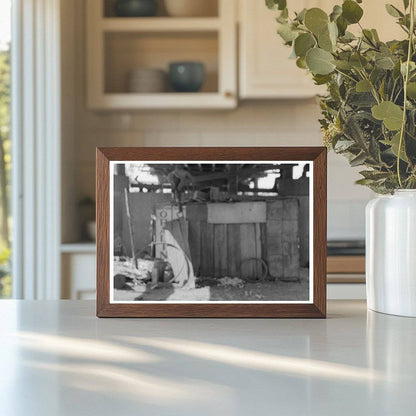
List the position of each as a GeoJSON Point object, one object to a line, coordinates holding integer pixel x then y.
{"type": "Point", "coordinates": [5, 145]}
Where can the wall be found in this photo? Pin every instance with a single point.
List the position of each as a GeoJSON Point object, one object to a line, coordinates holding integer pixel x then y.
{"type": "Point", "coordinates": [266, 123]}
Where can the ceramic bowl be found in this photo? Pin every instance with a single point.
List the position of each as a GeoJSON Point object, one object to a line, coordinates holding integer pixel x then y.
{"type": "Point", "coordinates": [147, 80]}
{"type": "Point", "coordinates": [191, 8]}
{"type": "Point", "coordinates": [186, 76]}
{"type": "Point", "coordinates": [136, 8]}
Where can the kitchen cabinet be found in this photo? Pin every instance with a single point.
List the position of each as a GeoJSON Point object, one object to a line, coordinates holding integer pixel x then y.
{"type": "Point", "coordinates": [116, 46]}
{"type": "Point", "coordinates": [265, 70]}
{"type": "Point", "coordinates": [78, 271]}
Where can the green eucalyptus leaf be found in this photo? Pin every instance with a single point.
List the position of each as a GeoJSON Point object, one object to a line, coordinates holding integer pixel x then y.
{"type": "Point", "coordinates": [355, 124]}
{"type": "Point", "coordinates": [351, 11]}
{"type": "Point", "coordinates": [336, 12]}
{"type": "Point", "coordinates": [382, 89]}
{"type": "Point", "coordinates": [393, 11]}
{"type": "Point", "coordinates": [363, 86]}
{"type": "Point", "coordinates": [396, 71]}
{"type": "Point", "coordinates": [354, 131]}
{"type": "Point", "coordinates": [405, 21]}
{"type": "Point", "coordinates": [301, 63]}
{"type": "Point", "coordinates": [316, 20]}
{"type": "Point", "coordinates": [300, 17]}
{"type": "Point", "coordinates": [287, 33]}
{"type": "Point", "coordinates": [377, 75]}
{"type": "Point", "coordinates": [276, 4]}
{"type": "Point", "coordinates": [358, 160]}
{"type": "Point", "coordinates": [388, 112]}
{"type": "Point", "coordinates": [333, 32]}
{"type": "Point", "coordinates": [321, 79]}
{"type": "Point", "coordinates": [368, 36]}
{"type": "Point", "coordinates": [343, 65]}
{"type": "Point", "coordinates": [394, 144]}
{"type": "Point", "coordinates": [361, 99]}
{"type": "Point", "coordinates": [386, 63]}
{"type": "Point", "coordinates": [358, 61]}
{"type": "Point", "coordinates": [282, 19]}
{"type": "Point", "coordinates": [375, 175]}
{"type": "Point", "coordinates": [365, 182]}
{"type": "Point", "coordinates": [412, 124]}
{"type": "Point", "coordinates": [320, 61]}
{"type": "Point", "coordinates": [342, 25]}
{"type": "Point", "coordinates": [374, 150]}
{"type": "Point", "coordinates": [303, 43]}
{"type": "Point", "coordinates": [343, 145]}
{"type": "Point", "coordinates": [325, 42]}
{"type": "Point", "coordinates": [412, 67]}
{"type": "Point", "coordinates": [411, 90]}
{"type": "Point", "coordinates": [347, 37]}
{"type": "Point", "coordinates": [375, 35]}
{"type": "Point", "coordinates": [334, 90]}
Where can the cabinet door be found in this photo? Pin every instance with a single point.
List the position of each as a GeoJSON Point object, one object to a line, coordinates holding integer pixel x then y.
{"type": "Point", "coordinates": [265, 68]}
{"type": "Point", "coordinates": [78, 276]}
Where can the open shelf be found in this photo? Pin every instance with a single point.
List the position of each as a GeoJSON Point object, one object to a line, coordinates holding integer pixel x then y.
{"type": "Point", "coordinates": [127, 51]}
{"type": "Point", "coordinates": [116, 46]}
{"type": "Point", "coordinates": [130, 101]}
{"type": "Point", "coordinates": [80, 247]}
{"type": "Point", "coordinates": [108, 9]}
{"type": "Point", "coordinates": [160, 24]}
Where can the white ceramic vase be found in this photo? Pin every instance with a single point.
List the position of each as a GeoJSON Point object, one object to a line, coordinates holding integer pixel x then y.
{"type": "Point", "coordinates": [391, 253]}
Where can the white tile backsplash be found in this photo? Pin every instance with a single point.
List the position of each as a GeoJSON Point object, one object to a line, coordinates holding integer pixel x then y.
{"type": "Point", "coordinates": [346, 219]}
{"type": "Point", "coordinates": [271, 123]}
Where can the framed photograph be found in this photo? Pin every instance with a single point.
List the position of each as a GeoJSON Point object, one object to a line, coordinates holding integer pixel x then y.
{"type": "Point", "coordinates": [211, 232]}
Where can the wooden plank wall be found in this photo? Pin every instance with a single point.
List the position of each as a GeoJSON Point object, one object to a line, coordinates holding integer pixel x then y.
{"type": "Point", "coordinates": [219, 250]}
{"type": "Point", "coordinates": [282, 230]}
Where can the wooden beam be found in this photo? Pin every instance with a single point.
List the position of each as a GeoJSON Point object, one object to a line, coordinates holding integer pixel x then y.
{"type": "Point", "coordinates": [237, 213]}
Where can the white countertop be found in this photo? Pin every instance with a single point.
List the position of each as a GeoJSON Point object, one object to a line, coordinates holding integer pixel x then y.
{"type": "Point", "coordinates": [58, 359]}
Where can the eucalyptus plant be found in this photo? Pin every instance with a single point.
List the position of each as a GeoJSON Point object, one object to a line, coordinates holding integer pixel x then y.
{"type": "Point", "coordinates": [369, 112]}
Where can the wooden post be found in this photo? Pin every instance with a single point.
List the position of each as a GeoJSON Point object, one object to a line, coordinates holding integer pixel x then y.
{"type": "Point", "coordinates": [120, 169]}
{"type": "Point", "coordinates": [131, 232]}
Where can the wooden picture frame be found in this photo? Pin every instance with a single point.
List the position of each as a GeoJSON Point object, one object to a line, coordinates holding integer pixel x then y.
{"type": "Point", "coordinates": [315, 307]}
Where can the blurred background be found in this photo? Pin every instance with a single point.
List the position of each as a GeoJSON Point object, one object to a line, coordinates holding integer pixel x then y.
{"type": "Point", "coordinates": [100, 73]}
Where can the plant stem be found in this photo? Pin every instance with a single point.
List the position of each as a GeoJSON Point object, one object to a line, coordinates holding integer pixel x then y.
{"type": "Point", "coordinates": [406, 80]}
{"type": "Point", "coordinates": [373, 89]}
{"type": "Point", "coordinates": [392, 90]}
{"type": "Point", "coordinates": [345, 75]}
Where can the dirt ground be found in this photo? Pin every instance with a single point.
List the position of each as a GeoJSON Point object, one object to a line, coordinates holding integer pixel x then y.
{"type": "Point", "coordinates": [209, 291]}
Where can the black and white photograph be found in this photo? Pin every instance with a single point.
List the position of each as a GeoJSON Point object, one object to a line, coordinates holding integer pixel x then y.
{"type": "Point", "coordinates": [211, 232]}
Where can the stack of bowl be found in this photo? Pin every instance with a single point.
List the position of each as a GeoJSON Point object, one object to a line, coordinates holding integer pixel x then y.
{"type": "Point", "coordinates": [191, 8]}
{"type": "Point", "coordinates": [147, 80]}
